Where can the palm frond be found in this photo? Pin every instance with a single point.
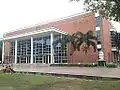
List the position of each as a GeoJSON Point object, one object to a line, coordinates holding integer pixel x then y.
{"type": "Point", "coordinates": [90, 35]}
{"type": "Point", "coordinates": [73, 45]}
{"type": "Point", "coordinates": [85, 51]}
{"type": "Point", "coordinates": [85, 48]}
{"type": "Point", "coordinates": [78, 44]}
{"type": "Point", "coordinates": [93, 44]}
{"type": "Point", "coordinates": [66, 38]}
{"type": "Point", "coordinates": [77, 34]}
{"type": "Point", "coordinates": [63, 45]}
{"type": "Point", "coordinates": [93, 38]}
{"type": "Point", "coordinates": [63, 41]}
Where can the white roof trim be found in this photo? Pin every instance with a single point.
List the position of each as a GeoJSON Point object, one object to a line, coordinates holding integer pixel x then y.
{"type": "Point", "coordinates": [51, 29]}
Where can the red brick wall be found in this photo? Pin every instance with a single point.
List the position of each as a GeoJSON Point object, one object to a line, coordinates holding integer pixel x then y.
{"type": "Point", "coordinates": [105, 38]}
{"type": "Point", "coordinates": [7, 51]}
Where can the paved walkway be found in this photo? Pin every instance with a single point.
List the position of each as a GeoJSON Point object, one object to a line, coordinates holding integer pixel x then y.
{"type": "Point", "coordinates": [97, 71]}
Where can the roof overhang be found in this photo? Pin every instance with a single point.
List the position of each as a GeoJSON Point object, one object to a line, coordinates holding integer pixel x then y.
{"type": "Point", "coordinates": [51, 29]}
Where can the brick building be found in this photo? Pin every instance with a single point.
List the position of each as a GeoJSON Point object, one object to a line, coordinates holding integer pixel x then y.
{"type": "Point", "coordinates": [34, 44]}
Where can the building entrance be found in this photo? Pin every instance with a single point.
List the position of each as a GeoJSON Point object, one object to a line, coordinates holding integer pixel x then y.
{"type": "Point", "coordinates": [23, 59]}
{"type": "Point", "coordinates": [46, 59]}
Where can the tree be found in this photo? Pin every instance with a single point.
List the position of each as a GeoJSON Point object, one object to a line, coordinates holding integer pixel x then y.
{"type": "Point", "coordinates": [77, 40]}
{"type": "Point", "coordinates": [84, 41]}
{"type": "Point", "coordinates": [107, 8]}
{"type": "Point", "coordinates": [64, 40]}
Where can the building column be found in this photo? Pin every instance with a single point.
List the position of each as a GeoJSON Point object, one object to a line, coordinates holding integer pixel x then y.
{"type": "Point", "coordinates": [51, 45]}
{"type": "Point", "coordinates": [48, 59]}
{"type": "Point", "coordinates": [61, 49]}
{"type": "Point", "coordinates": [15, 51]}
{"type": "Point", "coordinates": [42, 51]}
{"type": "Point", "coordinates": [3, 52]}
{"type": "Point", "coordinates": [26, 53]}
{"type": "Point", "coordinates": [31, 61]}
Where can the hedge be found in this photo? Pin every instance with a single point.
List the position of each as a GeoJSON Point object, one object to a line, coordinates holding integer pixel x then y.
{"type": "Point", "coordinates": [84, 65]}
{"type": "Point", "coordinates": [75, 65]}
{"type": "Point", "coordinates": [112, 65]}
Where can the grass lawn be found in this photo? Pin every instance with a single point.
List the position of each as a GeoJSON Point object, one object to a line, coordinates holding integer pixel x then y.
{"type": "Point", "coordinates": [38, 82]}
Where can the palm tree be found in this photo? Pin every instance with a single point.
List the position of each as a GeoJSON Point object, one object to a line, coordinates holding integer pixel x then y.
{"type": "Point", "coordinates": [85, 40]}
{"type": "Point", "coordinates": [64, 40]}
{"type": "Point", "coordinates": [77, 40]}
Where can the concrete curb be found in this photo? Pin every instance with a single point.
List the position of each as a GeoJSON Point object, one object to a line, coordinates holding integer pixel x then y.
{"type": "Point", "coordinates": [71, 75]}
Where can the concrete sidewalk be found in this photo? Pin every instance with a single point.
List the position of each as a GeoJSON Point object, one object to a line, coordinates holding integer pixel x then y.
{"type": "Point", "coordinates": [96, 71]}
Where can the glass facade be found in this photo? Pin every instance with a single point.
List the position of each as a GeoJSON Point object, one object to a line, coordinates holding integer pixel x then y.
{"type": "Point", "coordinates": [23, 51]}
{"type": "Point", "coordinates": [98, 29]}
{"type": "Point", "coordinates": [98, 21]}
{"type": "Point", "coordinates": [113, 38]}
{"type": "Point", "coordinates": [60, 55]}
{"type": "Point", "coordinates": [98, 35]}
{"type": "Point", "coordinates": [12, 52]}
{"type": "Point", "coordinates": [41, 50]}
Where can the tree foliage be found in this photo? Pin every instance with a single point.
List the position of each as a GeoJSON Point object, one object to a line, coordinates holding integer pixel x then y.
{"type": "Point", "coordinates": [84, 41]}
{"type": "Point", "coordinates": [107, 8]}
{"type": "Point", "coordinates": [64, 40]}
{"type": "Point", "coordinates": [78, 41]}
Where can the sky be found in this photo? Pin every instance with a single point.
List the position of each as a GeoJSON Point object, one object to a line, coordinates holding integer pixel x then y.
{"type": "Point", "coordinates": [15, 14]}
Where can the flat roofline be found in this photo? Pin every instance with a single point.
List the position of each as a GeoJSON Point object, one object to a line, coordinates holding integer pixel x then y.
{"type": "Point", "coordinates": [51, 29]}
{"type": "Point", "coordinates": [47, 22]}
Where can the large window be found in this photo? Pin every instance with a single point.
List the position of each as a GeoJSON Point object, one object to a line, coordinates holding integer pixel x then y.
{"type": "Point", "coordinates": [23, 51]}
{"type": "Point", "coordinates": [12, 52]}
{"type": "Point", "coordinates": [41, 50]}
{"type": "Point", "coordinates": [98, 21]}
{"type": "Point", "coordinates": [60, 55]}
{"type": "Point", "coordinates": [113, 38]}
{"type": "Point", "coordinates": [98, 35]}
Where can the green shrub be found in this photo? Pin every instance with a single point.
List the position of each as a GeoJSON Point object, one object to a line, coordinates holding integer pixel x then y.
{"type": "Point", "coordinates": [7, 69]}
{"type": "Point", "coordinates": [112, 65]}
{"type": "Point", "coordinates": [75, 65]}
{"type": "Point", "coordinates": [84, 65]}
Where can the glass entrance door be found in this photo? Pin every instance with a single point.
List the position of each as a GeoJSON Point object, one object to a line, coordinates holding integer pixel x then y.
{"type": "Point", "coordinates": [23, 59]}
{"type": "Point", "coordinates": [28, 59]}
{"type": "Point", "coordinates": [46, 59]}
